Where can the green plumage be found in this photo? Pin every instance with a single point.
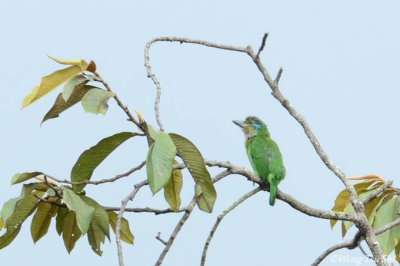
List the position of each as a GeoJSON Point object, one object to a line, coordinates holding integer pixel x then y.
{"type": "Point", "coordinates": [264, 154]}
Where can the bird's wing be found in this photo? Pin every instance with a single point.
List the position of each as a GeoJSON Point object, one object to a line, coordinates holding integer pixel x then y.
{"type": "Point", "coordinates": [258, 155]}
{"type": "Point", "coordinates": [266, 158]}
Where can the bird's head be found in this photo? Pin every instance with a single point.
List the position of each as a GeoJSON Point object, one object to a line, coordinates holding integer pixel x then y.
{"type": "Point", "coordinates": [252, 126]}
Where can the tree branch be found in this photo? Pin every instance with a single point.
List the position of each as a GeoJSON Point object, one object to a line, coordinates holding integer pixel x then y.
{"type": "Point", "coordinates": [178, 227]}
{"type": "Point", "coordinates": [119, 218]}
{"type": "Point", "coordinates": [221, 216]}
{"type": "Point", "coordinates": [99, 182]}
{"type": "Point", "coordinates": [180, 40]}
{"type": "Point", "coordinates": [120, 104]}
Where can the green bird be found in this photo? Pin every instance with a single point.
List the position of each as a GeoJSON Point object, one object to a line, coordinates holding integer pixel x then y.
{"type": "Point", "coordinates": [264, 154]}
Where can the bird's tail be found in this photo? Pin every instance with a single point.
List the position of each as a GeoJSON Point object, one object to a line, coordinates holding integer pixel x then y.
{"type": "Point", "coordinates": [272, 190]}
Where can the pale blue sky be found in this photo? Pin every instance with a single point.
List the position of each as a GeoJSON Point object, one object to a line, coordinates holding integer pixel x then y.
{"type": "Point", "coordinates": [341, 67]}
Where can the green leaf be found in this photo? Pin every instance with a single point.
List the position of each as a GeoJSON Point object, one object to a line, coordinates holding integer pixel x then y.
{"type": "Point", "coordinates": [18, 178]}
{"type": "Point", "coordinates": [60, 105]}
{"type": "Point", "coordinates": [386, 214]}
{"type": "Point", "coordinates": [95, 237]}
{"type": "Point", "coordinates": [125, 232]}
{"type": "Point", "coordinates": [160, 158]}
{"type": "Point", "coordinates": [42, 218]}
{"type": "Point", "coordinates": [172, 190]}
{"type": "Point", "coordinates": [95, 101]}
{"type": "Point", "coordinates": [91, 158]}
{"type": "Point", "coordinates": [372, 207]}
{"type": "Point", "coordinates": [204, 189]}
{"type": "Point", "coordinates": [50, 82]}
{"type": "Point", "coordinates": [342, 199]}
{"type": "Point", "coordinates": [8, 208]}
{"type": "Point", "coordinates": [74, 84]}
{"type": "Point", "coordinates": [8, 237]}
{"type": "Point", "coordinates": [61, 213]}
{"type": "Point", "coordinates": [84, 212]}
{"type": "Point", "coordinates": [71, 232]}
{"type": "Point", "coordinates": [2, 225]}
{"type": "Point", "coordinates": [100, 220]}
{"type": "Point", "coordinates": [23, 208]}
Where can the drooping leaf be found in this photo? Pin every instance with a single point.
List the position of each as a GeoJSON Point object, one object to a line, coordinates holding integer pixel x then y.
{"type": "Point", "coordinates": [91, 158]}
{"type": "Point", "coordinates": [386, 214]}
{"type": "Point", "coordinates": [363, 193]}
{"type": "Point", "coordinates": [8, 237]}
{"type": "Point", "coordinates": [61, 213]}
{"type": "Point", "coordinates": [8, 208]}
{"type": "Point", "coordinates": [42, 218]}
{"type": "Point", "coordinates": [71, 232]}
{"type": "Point", "coordinates": [95, 238]}
{"type": "Point", "coordinates": [18, 178]}
{"type": "Point", "coordinates": [60, 105]}
{"type": "Point", "coordinates": [50, 82]}
{"type": "Point", "coordinates": [172, 190]}
{"type": "Point", "coordinates": [397, 250]}
{"type": "Point", "coordinates": [95, 100]}
{"type": "Point", "coordinates": [2, 225]}
{"type": "Point", "coordinates": [125, 232]}
{"type": "Point", "coordinates": [76, 83]}
{"type": "Point", "coordinates": [160, 158]}
{"type": "Point", "coordinates": [84, 212]}
{"type": "Point", "coordinates": [372, 207]}
{"type": "Point", "coordinates": [204, 189]}
{"type": "Point", "coordinates": [342, 199]}
{"type": "Point", "coordinates": [100, 220]}
{"type": "Point", "coordinates": [74, 62]}
{"type": "Point", "coordinates": [30, 187]}
{"type": "Point", "coordinates": [23, 208]}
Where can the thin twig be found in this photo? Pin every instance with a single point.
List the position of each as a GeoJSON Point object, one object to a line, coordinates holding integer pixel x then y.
{"type": "Point", "coordinates": [180, 40]}
{"type": "Point", "coordinates": [278, 76]}
{"type": "Point", "coordinates": [99, 182]}
{"type": "Point", "coordinates": [158, 237]}
{"type": "Point", "coordinates": [50, 202]}
{"type": "Point", "coordinates": [347, 244]}
{"type": "Point", "coordinates": [376, 192]}
{"type": "Point", "coordinates": [221, 216]}
{"type": "Point", "coordinates": [262, 45]}
{"type": "Point", "coordinates": [119, 218]}
{"type": "Point", "coordinates": [146, 209]}
{"type": "Point", "coordinates": [178, 227]}
{"type": "Point", "coordinates": [123, 107]}
{"type": "Point", "coordinates": [364, 252]}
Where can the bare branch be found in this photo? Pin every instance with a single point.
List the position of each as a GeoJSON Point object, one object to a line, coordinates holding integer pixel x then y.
{"type": "Point", "coordinates": [180, 40]}
{"type": "Point", "coordinates": [99, 182]}
{"type": "Point", "coordinates": [158, 237]}
{"type": "Point", "coordinates": [278, 76]}
{"type": "Point", "coordinates": [376, 192]}
{"type": "Point", "coordinates": [178, 227]}
{"type": "Point", "coordinates": [146, 209]}
{"type": "Point", "coordinates": [347, 244]}
{"type": "Point", "coordinates": [262, 45]}
{"type": "Point", "coordinates": [119, 218]}
{"type": "Point", "coordinates": [120, 104]}
{"type": "Point", "coordinates": [221, 216]}
{"type": "Point", "coordinates": [364, 252]}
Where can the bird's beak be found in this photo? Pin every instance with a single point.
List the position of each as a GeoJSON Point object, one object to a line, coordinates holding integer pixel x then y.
{"type": "Point", "coordinates": [239, 123]}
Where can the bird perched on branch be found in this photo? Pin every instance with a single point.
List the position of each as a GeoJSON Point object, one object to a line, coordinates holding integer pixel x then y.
{"type": "Point", "coordinates": [264, 154]}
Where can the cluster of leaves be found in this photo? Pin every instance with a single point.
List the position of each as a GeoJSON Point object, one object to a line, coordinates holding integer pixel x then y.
{"type": "Point", "coordinates": [380, 211]}
{"type": "Point", "coordinates": [76, 214]}
{"type": "Point", "coordinates": [76, 77]}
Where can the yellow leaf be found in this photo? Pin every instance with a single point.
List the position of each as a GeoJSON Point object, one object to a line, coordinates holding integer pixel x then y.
{"type": "Point", "coordinates": [49, 83]}
{"type": "Point", "coordinates": [75, 62]}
